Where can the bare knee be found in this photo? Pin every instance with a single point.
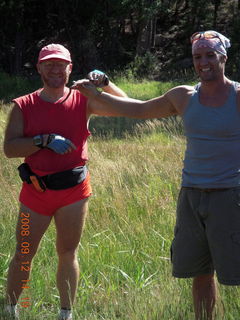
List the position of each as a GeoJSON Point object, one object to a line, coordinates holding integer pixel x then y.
{"type": "Point", "coordinates": [204, 286]}
{"type": "Point", "coordinates": [204, 280]}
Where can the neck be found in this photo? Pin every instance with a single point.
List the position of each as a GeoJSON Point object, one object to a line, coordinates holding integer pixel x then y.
{"type": "Point", "coordinates": [214, 93]}
{"type": "Point", "coordinates": [53, 94]}
{"type": "Point", "coordinates": [213, 86]}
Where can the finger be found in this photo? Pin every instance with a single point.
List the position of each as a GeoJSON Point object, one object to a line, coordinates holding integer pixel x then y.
{"type": "Point", "coordinates": [71, 144]}
{"type": "Point", "coordinates": [79, 82]}
{"type": "Point", "coordinates": [70, 149]}
{"type": "Point", "coordinates": [63, 147]}
{"type": "Point", "coordinates": [90, 84]}
{"type": "Point", "coordinates": [95, 82]}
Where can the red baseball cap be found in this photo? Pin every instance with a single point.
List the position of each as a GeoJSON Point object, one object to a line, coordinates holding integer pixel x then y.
{"type": "Point", "coordinates": [54, 51]}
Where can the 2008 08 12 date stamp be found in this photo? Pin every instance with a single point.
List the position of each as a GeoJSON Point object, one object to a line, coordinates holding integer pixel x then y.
{"type": "Point", "coordinates": [25, 250]}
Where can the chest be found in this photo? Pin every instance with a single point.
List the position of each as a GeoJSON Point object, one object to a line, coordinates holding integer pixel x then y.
{"type": "Point", "coordinates": [66, 119]}
{"type": "Point", "coordinates": [212, 121]}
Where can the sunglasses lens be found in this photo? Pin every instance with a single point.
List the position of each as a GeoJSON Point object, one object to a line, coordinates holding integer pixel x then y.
{"type": "Point", "coordinates": [195, 36]}
{"type": "Point", "coordinates": [204, 35]}
{"type": "Point", "coordinates": [210, 35]}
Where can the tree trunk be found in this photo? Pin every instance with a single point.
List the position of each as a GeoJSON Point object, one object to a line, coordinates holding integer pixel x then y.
{"type": "Point", "coordinates": [16, 54]}
{"type": "Point", "coordinates": [145, 37]}
{"type": "Point", "coordinates": [216, 6]}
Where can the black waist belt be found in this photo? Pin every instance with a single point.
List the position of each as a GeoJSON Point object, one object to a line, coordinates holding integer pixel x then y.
{"type": "Point", "coordinates": [56, 181]}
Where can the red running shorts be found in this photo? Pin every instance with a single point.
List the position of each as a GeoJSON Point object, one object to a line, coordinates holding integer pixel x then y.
{"type": "Point", "coordinates": [47, 202]}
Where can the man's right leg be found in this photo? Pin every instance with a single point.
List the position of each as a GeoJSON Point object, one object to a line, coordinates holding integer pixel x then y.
{"type": "Point", "coordinates": [19, 271]}
{"type": "Point", "coordinates": [204, 296]}
{"type": "Point", "coordinates": [191, 256]}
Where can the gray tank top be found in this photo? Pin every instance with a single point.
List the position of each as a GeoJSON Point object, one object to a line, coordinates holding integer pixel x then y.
{"type": "Point", "coordinates": [212, 157]}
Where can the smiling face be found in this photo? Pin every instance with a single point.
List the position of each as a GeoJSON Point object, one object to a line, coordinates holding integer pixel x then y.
{"type": "Point", "coordinates": [54, 72]}
{"type": "Point", "coordinates": [209, 64]}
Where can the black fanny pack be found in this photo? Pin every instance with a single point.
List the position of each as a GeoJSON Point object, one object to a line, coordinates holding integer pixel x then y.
{"type": "Point", "coordinates": [56, 181]}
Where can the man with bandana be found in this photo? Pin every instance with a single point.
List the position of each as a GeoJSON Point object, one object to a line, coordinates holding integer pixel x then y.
{"type": "Point", "coordinates": [207, 232]}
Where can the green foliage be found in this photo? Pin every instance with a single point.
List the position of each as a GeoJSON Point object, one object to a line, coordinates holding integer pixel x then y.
{"type": "Point", "coordinates": [145, 66]}
{"type": "Point", "coordinates": [114, 35]}
{"type": "Point", "coordinates": [14, 86]}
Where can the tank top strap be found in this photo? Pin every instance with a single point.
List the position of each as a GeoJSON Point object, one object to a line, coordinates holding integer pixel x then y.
{"type": "Point", "coordinates": [231, 101]}
{"type": "Point", "coordinates": [194, 97]}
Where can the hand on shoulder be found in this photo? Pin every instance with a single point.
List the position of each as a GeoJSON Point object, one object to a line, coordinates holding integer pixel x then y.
{"type": "Point", "coordinates": [86, 87]}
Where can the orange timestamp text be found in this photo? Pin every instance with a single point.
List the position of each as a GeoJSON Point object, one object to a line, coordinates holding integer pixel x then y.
{"type": "Point", "coordinates": [25, 250]}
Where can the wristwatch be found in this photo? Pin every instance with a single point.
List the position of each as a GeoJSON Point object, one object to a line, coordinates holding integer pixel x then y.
{"type": "Point", "coordinates": [38, 141]}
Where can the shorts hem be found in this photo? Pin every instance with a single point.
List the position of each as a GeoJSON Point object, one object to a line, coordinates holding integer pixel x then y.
{"type": "Point", "coordinates": [52, 214]}
{"type": "Point", "coordinates": [71, 202]}
{"type": "Point", "coordinates": [33, 209]}
{"type": "Point", "coordinates": [229, 282]}
{"type": "Point", "coordinates": [191, 274]}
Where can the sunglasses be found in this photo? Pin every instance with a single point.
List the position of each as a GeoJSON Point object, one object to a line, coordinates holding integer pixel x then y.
{"type": "Point", "coordinates": [205, 35]}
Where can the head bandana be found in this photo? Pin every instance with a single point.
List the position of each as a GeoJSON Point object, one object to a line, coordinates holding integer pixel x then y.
{"type": "Point", "coordinates": [219, 43]}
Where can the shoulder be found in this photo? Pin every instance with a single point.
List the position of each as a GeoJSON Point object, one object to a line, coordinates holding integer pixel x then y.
{"type": "Point", "coordinates": [15, 116]}
{"type": "Point", "coordinates": [26, 99]}
{"type": "Point", "coordinates": [180, 96]}
{"type": "Point", "coordinates": [183, 90]}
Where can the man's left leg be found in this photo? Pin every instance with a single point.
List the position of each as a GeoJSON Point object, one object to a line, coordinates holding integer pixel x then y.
{"type": "Point", "coordinates": [204, 296]}
{"type": "Point", "coordinates": [69, 222]}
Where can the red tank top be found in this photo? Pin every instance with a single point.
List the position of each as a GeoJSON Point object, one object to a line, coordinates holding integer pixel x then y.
{"type": "Point", "coordinates": [66, 117]}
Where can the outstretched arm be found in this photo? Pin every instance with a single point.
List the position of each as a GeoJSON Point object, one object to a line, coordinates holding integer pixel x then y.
{"type": "Point", "coordinates": [105, 104]}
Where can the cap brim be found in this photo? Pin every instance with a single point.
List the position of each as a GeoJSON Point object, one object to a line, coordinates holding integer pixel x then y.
{"type": "Point", "coordinates": [54, 56]}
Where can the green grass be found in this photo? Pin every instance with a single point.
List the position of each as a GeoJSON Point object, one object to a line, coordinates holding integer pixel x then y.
{"type": "Point", "coordinates": [124, 253]}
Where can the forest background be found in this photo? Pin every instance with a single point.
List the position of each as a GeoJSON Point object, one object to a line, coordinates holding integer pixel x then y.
{"type": "Point", "coordinates": [141, 38]}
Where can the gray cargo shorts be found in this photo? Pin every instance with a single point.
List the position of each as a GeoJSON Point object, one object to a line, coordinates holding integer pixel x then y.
{"type": "Point", "coordinates": [207, 234]}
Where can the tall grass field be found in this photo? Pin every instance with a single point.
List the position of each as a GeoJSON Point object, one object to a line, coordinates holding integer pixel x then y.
{"type": "Point", "coordinates": [124, 253]}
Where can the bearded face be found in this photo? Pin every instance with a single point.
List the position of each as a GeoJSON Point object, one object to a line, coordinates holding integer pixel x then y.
{"type": "Point", "coordinates": [54, 72]}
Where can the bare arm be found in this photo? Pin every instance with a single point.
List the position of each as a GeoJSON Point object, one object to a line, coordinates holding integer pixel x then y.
{"type": "Point", "coordinates": [15, 144]}
{"type": "Point", "coordinates": [111, 88]}
{"type": "Point", "coordinates": [105, 104]}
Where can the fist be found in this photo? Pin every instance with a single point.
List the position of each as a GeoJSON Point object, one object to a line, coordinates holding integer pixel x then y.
{"type": "Point", "coordinates": [98, 78]}
{"type": "Point", "coordinates": [59, 144]}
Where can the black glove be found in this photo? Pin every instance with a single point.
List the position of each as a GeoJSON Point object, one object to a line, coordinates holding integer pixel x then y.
{"type": "Point", "coordinates": [98, 78]}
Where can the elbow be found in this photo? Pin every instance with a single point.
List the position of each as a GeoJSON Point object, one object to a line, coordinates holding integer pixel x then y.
{"type": "Point", "coordinates": [7, 151]}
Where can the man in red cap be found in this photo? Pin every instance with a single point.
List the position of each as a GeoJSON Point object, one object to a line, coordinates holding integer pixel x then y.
{"type": "Point", "coordinates": [49, 128]}
{"type": "Point", "coordinates": [207, 232]}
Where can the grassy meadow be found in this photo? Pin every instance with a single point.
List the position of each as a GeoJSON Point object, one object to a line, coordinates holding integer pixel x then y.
{"type": "Point", "coordinates": [125, 249]}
